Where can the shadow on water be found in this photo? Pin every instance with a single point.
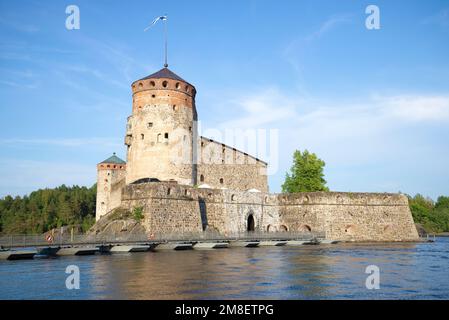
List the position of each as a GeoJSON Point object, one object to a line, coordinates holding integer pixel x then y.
{"type": "Point", "coordinates": [408, 271]}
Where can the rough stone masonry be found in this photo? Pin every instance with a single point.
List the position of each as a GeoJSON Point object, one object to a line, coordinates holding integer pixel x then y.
{"type": "Point", "coordinates": [188, 183]}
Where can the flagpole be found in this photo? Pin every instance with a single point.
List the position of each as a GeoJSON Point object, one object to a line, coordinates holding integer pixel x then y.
{"type": "Point", "coordinates": [164, 20]}
{"type": "Point", "coordinates": [166, 46]}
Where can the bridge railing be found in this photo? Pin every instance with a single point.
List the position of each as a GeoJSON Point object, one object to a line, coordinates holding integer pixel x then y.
{"type": "Point", "coordinates": [9, 241]}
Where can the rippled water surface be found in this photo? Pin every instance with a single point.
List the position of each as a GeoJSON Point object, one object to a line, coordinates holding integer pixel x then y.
{"type": "Point", "coordinates": [408, 271]}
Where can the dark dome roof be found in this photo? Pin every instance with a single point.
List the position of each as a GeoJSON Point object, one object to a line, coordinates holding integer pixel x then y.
{"type": "Point", "coordinates": [165, 73]}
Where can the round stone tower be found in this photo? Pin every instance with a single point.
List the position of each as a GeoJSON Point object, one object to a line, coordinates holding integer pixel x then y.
{"type": "Point", "coordinates": [110, 174]}
{"type": "Point", "coordinates": [162, 129]}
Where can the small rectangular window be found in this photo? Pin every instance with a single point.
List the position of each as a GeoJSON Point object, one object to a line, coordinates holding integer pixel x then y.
{"type": "Point", "coordinates": [166, 135]}
{"type": "Point", "coordinates": [150, 125]}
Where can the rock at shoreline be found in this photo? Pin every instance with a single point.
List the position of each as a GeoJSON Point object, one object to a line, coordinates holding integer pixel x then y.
{"type": "Point", "coordinates": [421, 231]}
{"type": "Point", "coordinates": [117, 222]}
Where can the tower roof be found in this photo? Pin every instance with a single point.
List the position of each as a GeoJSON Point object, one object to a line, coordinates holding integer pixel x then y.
{"type": "Point", "coordinates": [165, 73]}
{"type": "Point", "coordinates": [114, 159]}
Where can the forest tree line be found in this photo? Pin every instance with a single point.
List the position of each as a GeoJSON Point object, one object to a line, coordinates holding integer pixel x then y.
{"type": "Point", "coordinates": [433, 216]}
{"type": "Point", "coordinates": [45, 209]}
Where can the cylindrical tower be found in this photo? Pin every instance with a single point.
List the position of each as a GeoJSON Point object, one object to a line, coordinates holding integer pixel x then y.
{"type": "Point", "coordinates": [110, 174]}
{"type": "Point", "coordinates": [161, 131]}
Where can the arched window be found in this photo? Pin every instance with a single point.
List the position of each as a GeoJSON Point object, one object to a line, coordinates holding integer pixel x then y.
{"type": "Point", "coordinates": [164, 84]}
{"type": "Point", "coordinates": [221, 180]}
{"type": "Point", "coordinates": [201, 178]}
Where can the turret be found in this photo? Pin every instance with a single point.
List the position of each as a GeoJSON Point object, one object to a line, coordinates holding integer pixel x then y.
{"type": "Point", "coordinates": [110, 179]}
{"type": "Point", "coordinates": [162, 129]}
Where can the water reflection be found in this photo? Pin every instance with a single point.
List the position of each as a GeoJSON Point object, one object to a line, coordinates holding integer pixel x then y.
{"type": "Point", "coordinates": [408, 271]}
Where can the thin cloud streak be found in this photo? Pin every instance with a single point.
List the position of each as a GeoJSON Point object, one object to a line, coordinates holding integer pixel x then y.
{"type": "Point", "coordinates": [74, 142]}
{"type": "Point", "coordinates": [296, 47]}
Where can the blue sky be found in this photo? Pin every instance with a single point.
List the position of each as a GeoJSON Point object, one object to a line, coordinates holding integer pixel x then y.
{"type": "Point", "coordinates": [374, 104]}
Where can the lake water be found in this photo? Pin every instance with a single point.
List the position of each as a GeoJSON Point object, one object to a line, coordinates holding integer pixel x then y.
{"type": "Point", "coordinates": [407, 271]}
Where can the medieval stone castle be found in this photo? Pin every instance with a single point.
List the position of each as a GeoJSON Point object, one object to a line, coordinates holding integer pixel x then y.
{"type": "Point", "coordinates": [188, 183]}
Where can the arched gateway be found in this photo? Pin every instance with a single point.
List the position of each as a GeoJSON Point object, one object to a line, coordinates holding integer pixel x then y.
{"type": "Point", "coordinates": [250, 226]}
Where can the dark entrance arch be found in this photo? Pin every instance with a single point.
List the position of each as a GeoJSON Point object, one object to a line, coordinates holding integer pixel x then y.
{"type": "Point", "coordinates": [250, 223]}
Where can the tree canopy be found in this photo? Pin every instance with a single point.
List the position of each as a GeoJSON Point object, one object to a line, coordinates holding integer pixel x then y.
{"type": "Point", "coordinates": [46, 209]}
{"type": "Point", "coordinates": [306, 174]}
{"type": "Point", "coordinates": [433, 216]}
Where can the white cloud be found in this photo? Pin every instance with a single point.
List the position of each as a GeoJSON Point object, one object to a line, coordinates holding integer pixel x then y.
{"type": "Point", "coordinates": [415, 107]}
{"type": "Point", "coordinates": [357, 133]}
{"type": "Point", "coordinates": [272, 106]}
{"type": "Point", "coordinates": [266, 107]}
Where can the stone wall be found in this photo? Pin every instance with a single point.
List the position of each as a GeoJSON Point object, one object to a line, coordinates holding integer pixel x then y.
{"type": "Point", "coordinates": [173, 208]}
{"type": "Point", "coordinates": [168, 207]}
{"type": "Point", "coordinates": [349, 216]}
{"type": "Point", "coordinates": [221, 166]}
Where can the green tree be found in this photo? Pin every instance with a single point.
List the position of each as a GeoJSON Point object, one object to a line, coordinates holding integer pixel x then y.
{"type": "Point", "coordinates": [45, 209]}
{"type": "Point", "coordinates": [434, 217]}
{"type": "Point", "coordinates": [306, 174]}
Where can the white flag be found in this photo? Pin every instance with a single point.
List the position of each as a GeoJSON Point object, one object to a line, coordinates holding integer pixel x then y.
{"type": "Point", "coordinates": [154, 22]}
